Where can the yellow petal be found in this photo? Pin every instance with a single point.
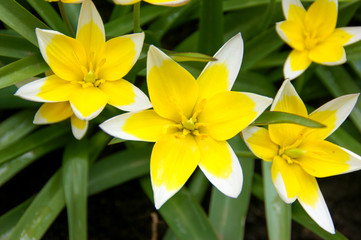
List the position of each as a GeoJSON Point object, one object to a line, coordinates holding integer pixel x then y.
{"type": "Point", "coordinates": [125, 2]}
{"type": "Point", "coordinates": [219, 76]}
{"type": "Point", "coordinates": [220, 165]}
{"type": "Point", "coordinates": [88, 102]}
{"type": "Point", "coordinates": [169, 3]}
{"type": "Point", "coordinates": [64, 55]}
{"type": "Point", "coordinates": [90, 31]}
{"type": "Point", "coordinates": [287, 100]}
{"type": "Point", "coordinates": [140, 126]}
{"type": "Point", "coordinates": [173, 91]}
{"type": "Point", "coordinates": [48, 89]}
{"type": "Point", "coordinates": [311, 199]}
{"type": "Point", "coordinates": [79, 127]}
{"type": "Point", "coordinates": [120, 55]}
{"type": "Point", "coordinates": [348, 35]}
{"type": "Point", "coordinates": [53, 112]}
{"type": "Point", "coordinates": [292, 33]}
{"type": "Point", "coordinates": [332, 114]}
{"type": "Point", "coordinates": [285, 180]}
{"type": "Point", "coordinates": [228, 113]}
{"type": "Point", "coordinates": [323, 159]}
{"type": "Point", "coordinates": [321, 18]}
{"type": "Point", "coordinates": [260, 143]}
{"type": "Point", "coordinates": [294, 10]}
{"type": "Point", "coordinates": [296, 63]}
{"type": "Point", "coordinates": [328, 53]}
{"type": "Point", "coordinates": [125, 96]}
{"type": "Point", "coordinates": [172, 162]}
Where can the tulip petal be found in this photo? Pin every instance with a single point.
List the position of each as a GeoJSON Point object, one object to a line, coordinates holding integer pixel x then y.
{"type": "Point", "coordinates": [120, 54]}
{"type": "Point", "coordinates": [48, 89]}
{"type": "Point", "coordinates": [287, 100]}
{"type": "Point", "coordinates": [172, 89]}
{"type": "Point", "coordinates": [88, 102]}
{"type": "Point", "coordinates": [64, 55]}
{"type": "Point", "coordinates": [311, 199]}
{"type": "Point", "coordinates": [228, 113]}
{"type": "Point", "coordinates": [169, 3]}
{"type": "Point", "coordinates": [346, 35]}
{"type": "Point", "coordinates": [220, 165]}
{"type": "Point", "coordinates": [293, 10]}
{"type": "Point", "coordinates": [139, 126]}
{"type": "Point", "coordinates": [173, 161]}
{"type": "Point", "coordinates": [321, 18]}
{"type": "Point", "coordinates": [296, 63]}
{"type": "Point", "coordinates": [125, 96]}
{"type": "Point", "coordinates": [125, 2]}
{"type": "Point", "coordinates": [328, 53]}
{"type": "Point", "coordinates": [292, 33]}
{"type": "Point", "coordinates": [324, 159]}
{"type": "Point", "coordinates": [260, 143]}
{"type": "Point", "coordinates": [219, 76]}
{"type": "Point", "coordinates": [284, 179]}
{"type": "Point", "coordinates": [332, 114]}
{"type": "Point", "coordinates": [90, 31]}
{"type": "Point", "coordinates": [52, 113]}
{"type": "Point", "coordinates": [79, 127]}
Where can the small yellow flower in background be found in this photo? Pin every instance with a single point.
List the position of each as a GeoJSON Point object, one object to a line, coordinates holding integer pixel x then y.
{"type": "Point", "coordinates": [88, 73]}
{"type": "Point", "coordinates": [313, 35]}
{"type": "Point", "coordinates": [65, 1]}
{"type": "Point", "coordinates": [168, 3]}
{"type": "Point", "coordinates": [191, 121]}
{"type": "Point", "coordinates": [299, 154]}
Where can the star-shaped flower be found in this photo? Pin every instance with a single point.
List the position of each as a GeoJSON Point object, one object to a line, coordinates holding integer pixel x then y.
{"type": "Point", "coordinates": [191, 121]}
{"type": "Point", "coordinates": [168, 3]}
{"type": "Point", "coordinates": [299, 154]}
{"type": "Point", "coordinates": [88, 73]}
{"type": "Point", "coordinates": [313, 35]}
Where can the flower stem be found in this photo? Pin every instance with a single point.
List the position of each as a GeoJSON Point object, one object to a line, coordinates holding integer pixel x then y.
{"type": "Point", "coordinates": [136, 17]}
{"type": "Point", "coordinates": [65, 17]}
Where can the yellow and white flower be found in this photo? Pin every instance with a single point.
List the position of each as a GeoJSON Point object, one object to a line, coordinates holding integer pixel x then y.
{"type": "Point", "coordinates": [191, 121]}
{"type": "Point", "coordinates": [65, 1]}
{"type": "Point", "coordinates": [313, 35]}
{"type": "Point", "coordinates": [88, 73]}
{"type": "Point", "coordinates": [168, 3]}
{"type": "Point", "coordinates": [299, 154]}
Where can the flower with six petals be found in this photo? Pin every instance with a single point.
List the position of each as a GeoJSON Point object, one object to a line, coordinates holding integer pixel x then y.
{"type": "Point", "coordinates": [313, 35]}
{"type": "Point", "coordinates": [88, 73]}
{"type": "Point", "coordinates": [191, 121]}
{"type": "Point", "coordinates": [168, 3]}
{"type": "Point", "coordinates": [299, 154]}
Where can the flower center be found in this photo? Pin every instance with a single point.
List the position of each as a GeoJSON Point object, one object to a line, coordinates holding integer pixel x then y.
{"type": "Point", "coordinates": [291, 154]}
{"type": "Point", "coordinates": [91, 72]}
{"type": "Point", "coordinates": [310, 39]}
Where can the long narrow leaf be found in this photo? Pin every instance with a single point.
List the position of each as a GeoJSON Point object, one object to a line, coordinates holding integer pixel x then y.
{"type": "Point", "coordinates": [15, 47]}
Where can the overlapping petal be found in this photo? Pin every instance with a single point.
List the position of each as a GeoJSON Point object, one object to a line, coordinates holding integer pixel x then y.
{"type": "Point", "coordinates": [226, 175]}
{"type": "Point", "coordinates": [119, 55]}
{"type": "Point", "coordinates": [79, 127]}
{"type": "Point", "coordinates": [287, 100]}
{"type": "Point", "coordinates": [332, 114]}
{"type": "Point", "coordinates": [260, 143]}
{"type": "Point", "coordinates": [172, 162]}
{"type": "Point", "coordinates": [88, 102]}
{"type": "Point", "coordinates": [53, 112]}
{"type": "Point", "coordinates": [64, 55]}
{"type": "Point", "coordinates": [228, 113]}
{"type": "Point", "coordinates": [48, 89]}
{"type": "Point", "coordinates": [220, 75]}
{"type": "Point", "coordinates": [296, 63]}
{"type": "Point", "coordinates": [292, 33]}
{"type": "Point", "coordinates": [125, 96]}
{"type": "Point", "coordinates": [172, 89]}
{"type": "Point", "coordinates": [328, 53]}
{"type": "Point", "coordinates": [90, 30]}
{"type": "Point", "coordinates": [293, 10]}
{"type": "Point", "coordinates": [140, 126]}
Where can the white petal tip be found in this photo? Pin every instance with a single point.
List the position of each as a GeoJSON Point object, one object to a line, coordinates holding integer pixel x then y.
{"type": "Point", "coordinates": [161, 195]}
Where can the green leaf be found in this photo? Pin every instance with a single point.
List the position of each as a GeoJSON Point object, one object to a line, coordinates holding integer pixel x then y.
{"type": "Point", "coordinates": [189, 56]}
{"type": "Point", "coordinates": [275, 117]}
{"type": "Point", "coordinates": [9, 101]}
{"type": "Point", "coordinates": [115, 141]}
{"type": "Point", "coordinates": [40, 137]}
{"type": "Point", "coordinates": [20, 19]}
{"type": "Point", "coordinates": [278, 213]}
{"type": "Point", "coordinates": [183, 214]}
{"type": "Point", "coordinates": [21, 70]}
{"type": "Point", "coordinates": [9, 219]}
{"type": "Point", "coordinates": [15, 46]}
{"type": "Point", "coordinates": [75, 182]}
{"type": "Point", "coordinates": [16, 127]}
